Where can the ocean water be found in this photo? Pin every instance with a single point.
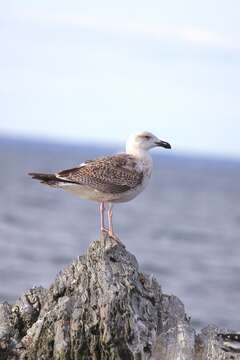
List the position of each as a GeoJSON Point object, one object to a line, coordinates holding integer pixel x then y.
{"type": "Point", "coordinates": [184, 229]}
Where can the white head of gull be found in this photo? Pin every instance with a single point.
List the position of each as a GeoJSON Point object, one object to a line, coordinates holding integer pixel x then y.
{"type": "Point", "coordinates": [110, 179]}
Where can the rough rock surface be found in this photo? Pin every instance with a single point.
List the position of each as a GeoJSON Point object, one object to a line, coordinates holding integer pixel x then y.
{"type": "Point", "coordinates": [103, 307]}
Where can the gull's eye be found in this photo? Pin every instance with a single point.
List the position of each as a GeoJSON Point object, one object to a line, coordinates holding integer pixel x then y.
{"type": "Point", "coordinates": [144, 137]}
{"type": "Point", "coordinates": [147, 137]}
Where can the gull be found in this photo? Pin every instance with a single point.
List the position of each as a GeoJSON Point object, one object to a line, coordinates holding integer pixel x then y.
{"type": "Point", "coordinates": [110, 179]}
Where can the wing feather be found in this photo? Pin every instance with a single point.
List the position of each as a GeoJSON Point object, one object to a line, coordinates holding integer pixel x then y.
{"type": "Point", "coordinates": [115, 174]}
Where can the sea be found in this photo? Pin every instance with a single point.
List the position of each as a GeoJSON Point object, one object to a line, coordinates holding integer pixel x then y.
{"type": "Point", "coordinates": [184, 228]}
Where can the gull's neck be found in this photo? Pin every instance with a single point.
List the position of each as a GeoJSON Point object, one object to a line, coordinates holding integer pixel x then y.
{"type": "Point", "coordinates": [145, 162]}
{"type": "Point", "coordinates": [139, 153]}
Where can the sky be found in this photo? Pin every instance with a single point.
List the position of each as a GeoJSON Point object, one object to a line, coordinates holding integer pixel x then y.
{"type": "Point", "coordinates": [100, 70]}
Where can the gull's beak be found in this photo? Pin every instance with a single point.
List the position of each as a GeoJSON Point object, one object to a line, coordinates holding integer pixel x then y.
{"type": "Point", "coordinates": [164, 144]}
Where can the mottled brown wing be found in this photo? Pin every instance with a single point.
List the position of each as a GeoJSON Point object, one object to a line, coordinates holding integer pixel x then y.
{"type": "Point", "coordinates": [114, 174]}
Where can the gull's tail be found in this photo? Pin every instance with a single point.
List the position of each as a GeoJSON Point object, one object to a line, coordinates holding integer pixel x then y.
{"type": "Point", "coordinates": [49, 179]}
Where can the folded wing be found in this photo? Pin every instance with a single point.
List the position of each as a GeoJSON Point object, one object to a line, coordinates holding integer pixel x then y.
{"type": "Point", "coordinates": [110, 174]}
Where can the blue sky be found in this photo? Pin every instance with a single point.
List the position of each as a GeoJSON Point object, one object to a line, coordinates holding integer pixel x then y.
{"type": "Point", "coordinates": [98, 71]}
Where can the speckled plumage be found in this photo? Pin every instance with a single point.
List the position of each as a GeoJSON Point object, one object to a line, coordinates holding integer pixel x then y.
{"type": "Point", "coordinates": [108, 174]}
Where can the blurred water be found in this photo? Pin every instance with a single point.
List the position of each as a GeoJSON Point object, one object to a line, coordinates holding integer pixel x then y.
{"type": "Point", "coordinates": [184, 229]}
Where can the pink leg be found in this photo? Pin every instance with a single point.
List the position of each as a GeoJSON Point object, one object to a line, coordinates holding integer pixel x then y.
{"type": "Point", "coordinates": [110, 215]}
{"type": "Point", "coordinates": [102, 211]}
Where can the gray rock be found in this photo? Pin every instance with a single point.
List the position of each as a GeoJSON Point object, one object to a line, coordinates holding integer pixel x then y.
{"type": "Point", "coordinates": [102, 307]}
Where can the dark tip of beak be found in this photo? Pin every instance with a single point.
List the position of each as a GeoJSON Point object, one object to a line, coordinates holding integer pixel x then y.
{"type": "Point", "coordinates": [164, 144]}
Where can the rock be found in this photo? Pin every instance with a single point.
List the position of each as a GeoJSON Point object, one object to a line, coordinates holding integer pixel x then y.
{"type": "Point", "coordinates": [177, 335]}
{"type": "Point", "coordinates": [17, 319]}
{"type": "Point", "coordinates": [216, 343]}
{"type": "Point", "coordinates": [102, 307]}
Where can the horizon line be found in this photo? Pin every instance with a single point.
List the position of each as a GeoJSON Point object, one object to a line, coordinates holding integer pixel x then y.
{"type": "Point", "coordinates": [51, 140]}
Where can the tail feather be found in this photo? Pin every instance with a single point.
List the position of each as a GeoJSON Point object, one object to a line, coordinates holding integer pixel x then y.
{"type": "Point", "coordinates": [49, 179]}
